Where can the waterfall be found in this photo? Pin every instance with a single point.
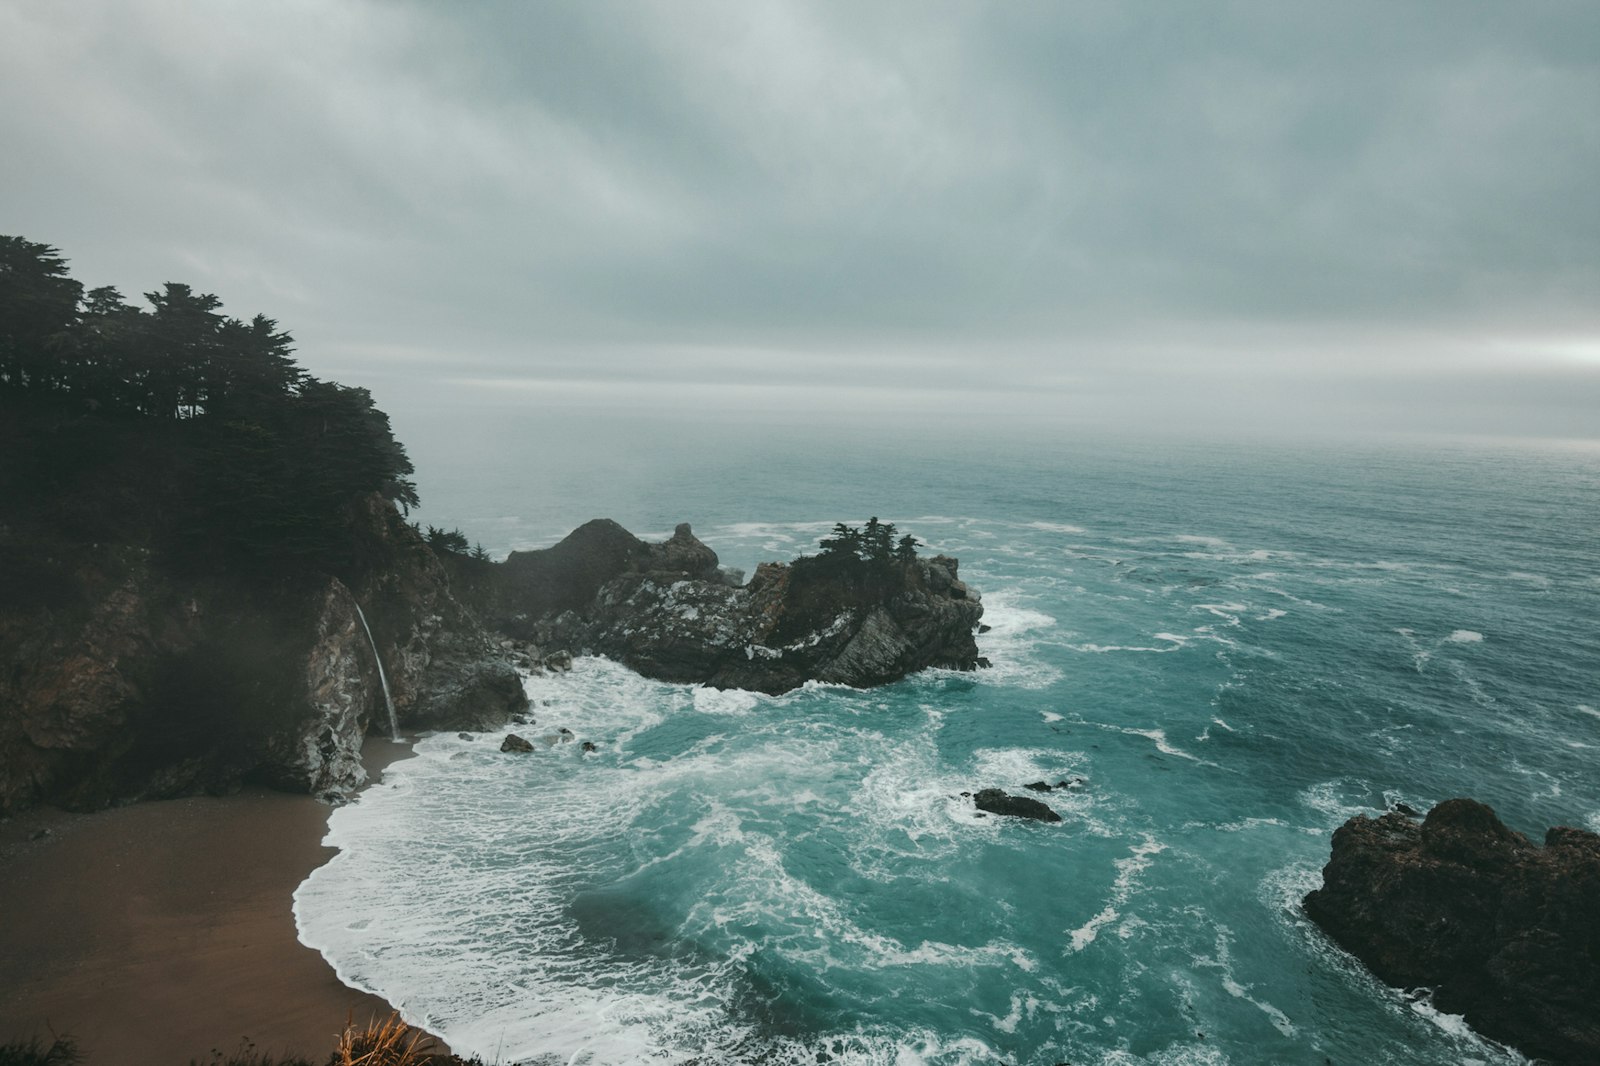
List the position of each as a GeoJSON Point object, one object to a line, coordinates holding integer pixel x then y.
{"type": "Point", "coordinates": [383, 679]}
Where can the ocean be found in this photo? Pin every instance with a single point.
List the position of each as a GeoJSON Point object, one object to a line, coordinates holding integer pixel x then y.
{"type": "Point", "coordinates": [1225, 649]}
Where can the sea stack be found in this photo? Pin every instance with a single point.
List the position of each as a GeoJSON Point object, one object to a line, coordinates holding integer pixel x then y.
{"type": "Point", "coordinates": [1506, 932]}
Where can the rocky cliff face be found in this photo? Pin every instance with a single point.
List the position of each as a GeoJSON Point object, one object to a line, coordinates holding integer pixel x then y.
{"type": "Point", "coordinates": [668, 611]}
{"type": "Point", "coordinates": [1506, 932]}
{"type": "Point", "coordinates": [122, 678]}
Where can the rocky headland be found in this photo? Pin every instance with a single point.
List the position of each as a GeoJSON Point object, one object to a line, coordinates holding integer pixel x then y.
{"type": "Point", "coordinates": [124, 677]}
{"type": "Point", "coordinates": [207, 577]}
{"type": "Point", "coordinates": [669, 611]}
{"type": "Point", "coordinates": [1504, 931]}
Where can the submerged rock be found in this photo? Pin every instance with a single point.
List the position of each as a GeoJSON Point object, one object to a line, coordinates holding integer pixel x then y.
{"type": "Point", "coordinates": [997, 801]}
{"type": "Point", "coordinates": [1506, 932]}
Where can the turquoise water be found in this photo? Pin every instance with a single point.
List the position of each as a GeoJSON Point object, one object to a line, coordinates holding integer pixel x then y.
{"type": "Point", "coordinates": [1235, 647]}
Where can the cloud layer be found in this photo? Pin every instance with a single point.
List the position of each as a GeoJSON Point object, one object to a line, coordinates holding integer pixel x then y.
{"type": "Point", "coordinates": [1060, 201]}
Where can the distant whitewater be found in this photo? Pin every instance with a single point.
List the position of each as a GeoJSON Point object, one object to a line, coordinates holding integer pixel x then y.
{"type": "Point", "coordinates": [1226, 661]}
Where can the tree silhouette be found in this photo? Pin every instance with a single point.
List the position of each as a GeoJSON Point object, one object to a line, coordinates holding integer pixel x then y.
{"type": "Point", "coordinates": [274, 458]}
{"type": "Point", "coordinates": [38, 303]}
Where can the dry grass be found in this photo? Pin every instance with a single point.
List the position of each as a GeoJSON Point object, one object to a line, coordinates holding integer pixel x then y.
{"type": "Point", "coordinates": [388, 1043]}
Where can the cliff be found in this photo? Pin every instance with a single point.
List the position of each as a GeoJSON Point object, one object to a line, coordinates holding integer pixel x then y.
{"type": "Point", "coordinates": [668, 611]}
{"type": "Point", "coordinates": [1504, 931]}
{"type": "Point", "coordinates": [139, 661]}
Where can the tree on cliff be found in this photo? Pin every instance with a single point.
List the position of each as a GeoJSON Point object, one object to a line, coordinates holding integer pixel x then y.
{"type": "Point", "coordinates": [258, 458]}
{"type": "Point", "coordinates": [37, 304]}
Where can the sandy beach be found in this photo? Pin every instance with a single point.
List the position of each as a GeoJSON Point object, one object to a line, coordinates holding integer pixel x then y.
{"type": "Point", "coordinates": [155, 933]}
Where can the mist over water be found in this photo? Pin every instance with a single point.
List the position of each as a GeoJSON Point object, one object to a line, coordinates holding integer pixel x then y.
{"type": "Point", "coordinates": [1233, 648]}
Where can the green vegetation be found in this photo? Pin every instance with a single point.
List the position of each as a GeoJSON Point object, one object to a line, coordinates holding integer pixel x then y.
{"type": "Point", "coordinates": [861, 552]}
{"type": "Point", "coordinates": [856, 567]}
{"type": "Point", "coordinates": [178, 418]}
{"type": "Point", "coordinates": [452, 542]}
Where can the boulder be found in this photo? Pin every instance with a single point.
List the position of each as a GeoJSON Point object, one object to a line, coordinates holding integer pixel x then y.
{"type": "Point", "coordinates": [997, 801]}
{"type": "Point", "coordinates": [1506, 932]}
{"type": "Point", "coordinates": [512, 742]}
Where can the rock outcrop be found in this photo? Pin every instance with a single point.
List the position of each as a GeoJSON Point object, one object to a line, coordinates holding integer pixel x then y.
{"type": "Point", "coordinates": [998, 801]}
{"type": "Point", "coordinates": [1504, 931]}
{"type": "Point", "coordinates": [668, 611]}
{"type": "Point", "coordinates": [124, 677]}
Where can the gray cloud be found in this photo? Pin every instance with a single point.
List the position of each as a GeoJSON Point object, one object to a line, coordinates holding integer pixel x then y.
{"type": "Point", "coordinates": [1019, 198]}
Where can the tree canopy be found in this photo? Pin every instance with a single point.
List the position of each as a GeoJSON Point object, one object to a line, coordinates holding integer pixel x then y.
{"type": "Point", "coordinates": [281, 454]}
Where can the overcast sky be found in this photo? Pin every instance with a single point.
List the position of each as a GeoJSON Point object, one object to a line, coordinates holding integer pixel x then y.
{"type": "Point", "coordinates": [1381, 214]}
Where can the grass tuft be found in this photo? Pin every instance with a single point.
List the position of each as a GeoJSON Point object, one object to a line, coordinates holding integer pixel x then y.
{"type": "Point", "coordinates": [61, 1051]}
{"type": "Point", "coordinates": [388, 1043]}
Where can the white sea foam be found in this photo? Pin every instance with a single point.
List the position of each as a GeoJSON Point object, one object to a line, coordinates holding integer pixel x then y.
{"type": "Point", "coordinates": [1173, 643]}
{"type": "Point", "coordinates": [726, 701]}
{"type": "Point", "coordinates": [1335, 802]}
{"type": "Point", "coordinates": [1465, 636]}
{"type": "Point", "coordinates": [1056, 527]}
{"type": "Point", "coordinates": [1161, 742]}
{"type": "Point", "coordinates": [1174, 1055]}
{"type": "Point", "coordinates": [1195, 538]}
{"type": "Point", "coordinates": [1014, 639]}
{"type": "Point", "coordinates": [1228, 612]}
{"type": "Point", "coordinates": [1590, 711]}
{"type": "Point", "coordinates": [1050, 716]}
{"type": "Point", "coordinates": [1128, 871]}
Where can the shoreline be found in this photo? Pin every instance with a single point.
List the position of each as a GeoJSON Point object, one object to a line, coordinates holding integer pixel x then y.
{"type": "Point", "coordinates": [161, 931]}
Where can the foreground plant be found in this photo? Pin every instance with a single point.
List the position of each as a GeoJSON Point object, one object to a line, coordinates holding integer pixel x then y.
{"type": "Point", "coordinates": [61, 1051]}
{"type": "Point", "coordinates": [388, 1043]}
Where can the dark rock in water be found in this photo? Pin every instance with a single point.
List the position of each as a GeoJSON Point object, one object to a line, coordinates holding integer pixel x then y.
{"type": "Point", "coordinates": [558, 661]}
{"type": "Point", "coordinates": [984, 628]}
{"type": "Point", "coordinates": [589, 747]}
{"type": "Point", "coordinates": [464, 736]}
{"type": "Point", "coordinates": [668, 611]}
{"type": "Point", "coordinates": [512, 742]}
{"type": "Point", "coordinates": [1407, 810]}
{"type": "Point", "coordinates": [1039, 786]}
{"type": "Point", "coordinates": [996, 801]}
{"type": "Point", "coordinates": [1506, 932]}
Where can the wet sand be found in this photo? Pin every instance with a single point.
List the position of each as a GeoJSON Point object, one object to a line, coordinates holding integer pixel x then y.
{"type": "Point", "coordinates": [155, 933]}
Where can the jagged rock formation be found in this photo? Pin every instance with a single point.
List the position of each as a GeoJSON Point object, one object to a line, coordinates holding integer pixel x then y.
{"type": "Point", "coordinates": [124, 678]}
{"type": "Point", "coordinates": [1506, 932]}
{"type": "Point", "coordinates": [998, 801]}
{"type": "Point", "coordinates": [669, 612]}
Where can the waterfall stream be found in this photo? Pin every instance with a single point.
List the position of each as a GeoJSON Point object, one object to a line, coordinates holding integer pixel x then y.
{"type": "Point", "coordinates": [383, 679]}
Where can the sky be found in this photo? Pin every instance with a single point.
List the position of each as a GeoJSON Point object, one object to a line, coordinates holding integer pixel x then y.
{"type": "Point", "coordinates": [1357, 215]}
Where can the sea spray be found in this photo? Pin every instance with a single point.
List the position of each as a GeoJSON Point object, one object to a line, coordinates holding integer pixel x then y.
{"type": "Point", "coordinates": [383, 678]}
